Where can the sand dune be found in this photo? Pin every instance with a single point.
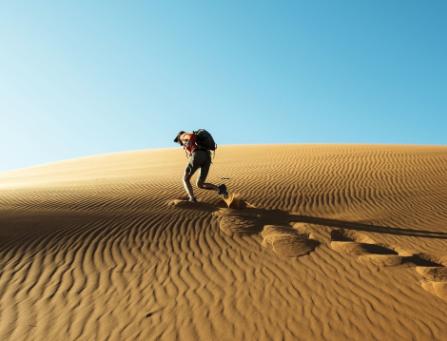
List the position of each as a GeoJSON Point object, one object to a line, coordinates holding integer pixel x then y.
{"type": "Point", "coordinates": [327, 242]}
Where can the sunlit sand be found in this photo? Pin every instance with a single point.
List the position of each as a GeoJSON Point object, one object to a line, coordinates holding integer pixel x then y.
{"type": "Point", "coordinates": [315, 242]}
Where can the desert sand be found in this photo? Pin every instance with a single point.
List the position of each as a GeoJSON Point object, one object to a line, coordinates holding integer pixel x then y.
{"type": "Point", "coordinates": [321, 242]}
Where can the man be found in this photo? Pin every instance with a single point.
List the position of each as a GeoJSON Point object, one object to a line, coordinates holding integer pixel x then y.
{"type": "Point", "coordinates": [199, 157]}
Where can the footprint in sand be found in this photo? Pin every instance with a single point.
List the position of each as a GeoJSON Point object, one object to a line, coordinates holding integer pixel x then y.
{"type": "Point", "coordinates": [234, 221]}
{"type": "Point", "coordinates": [238, 217]}
{"type": "Point", "coordinates": [234, 200]}
{"type": "Point", "coordinates": [434, 275]}
{"type": "Point", "coordinates": [286, 241]}
{"type": "Point", "coordinates": [182, 203]}
{"type": "Point", "coordinates": [363, 247]}
{"type": "Point", "coordinates": [433, 272]}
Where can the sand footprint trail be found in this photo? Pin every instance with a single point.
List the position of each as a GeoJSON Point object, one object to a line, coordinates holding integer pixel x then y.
{"type": "Point", "coordinates": [434, 273]}
{"type": "Point", "coordinates": [242, 218]}
{"type": "Point", "coordinates": [296, 239]}
{"type": "Point", "coordinates": [288, 238]}
{"type": "Point", "coordinates": [364, 248]}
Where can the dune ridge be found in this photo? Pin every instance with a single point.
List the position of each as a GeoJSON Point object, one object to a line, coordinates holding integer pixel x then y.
{"type": "Point", "coordinates": [325, 242]}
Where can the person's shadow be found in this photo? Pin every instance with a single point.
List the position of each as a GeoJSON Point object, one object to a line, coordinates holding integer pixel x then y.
{"type": "Point", "coordinates": [261, 217]}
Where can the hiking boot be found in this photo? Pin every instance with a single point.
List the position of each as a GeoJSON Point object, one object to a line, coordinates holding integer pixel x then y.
{"type": "Point", "coordinates": [223, 190]}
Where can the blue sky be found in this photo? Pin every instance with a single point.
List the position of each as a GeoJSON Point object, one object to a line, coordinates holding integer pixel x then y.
{"type": "Point", "coordinates": [88, 77]}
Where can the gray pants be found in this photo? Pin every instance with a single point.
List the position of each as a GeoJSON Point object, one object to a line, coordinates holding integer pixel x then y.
{"type": "Point", "coordinates": [199, 159]}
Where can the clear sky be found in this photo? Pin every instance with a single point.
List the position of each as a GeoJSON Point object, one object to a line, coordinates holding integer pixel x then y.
{"type": "Point", "coordinates": [80, 78]}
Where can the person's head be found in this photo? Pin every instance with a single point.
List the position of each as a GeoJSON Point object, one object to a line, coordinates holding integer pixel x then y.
{"type": "Point", "coordinates": [177, 138]}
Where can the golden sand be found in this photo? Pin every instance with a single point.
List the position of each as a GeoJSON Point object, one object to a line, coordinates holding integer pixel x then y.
{"type": "Point", "coordinates": [327, 242]}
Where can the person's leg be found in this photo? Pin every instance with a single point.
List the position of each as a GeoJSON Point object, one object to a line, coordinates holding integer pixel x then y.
{"type": "Point", "coordinates": [204, 169]}
{"type": "Point", "coordinates": [200, 159]}
{"type": "Point", "coordinates": [202, 177]}
{"type": "Point", "coordinates": [221, 189]}
{"type": "Point", "coordinates": [189, 171]}
{"type": "Point", "coordinates": [187, 185]}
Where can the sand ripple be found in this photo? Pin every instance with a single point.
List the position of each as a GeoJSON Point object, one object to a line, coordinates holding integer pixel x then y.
{"type": "Point", "coordinates": [101, 248]}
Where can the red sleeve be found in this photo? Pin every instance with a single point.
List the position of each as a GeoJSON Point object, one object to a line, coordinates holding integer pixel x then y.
{"type": "Point", "coordinates": [192, 139]}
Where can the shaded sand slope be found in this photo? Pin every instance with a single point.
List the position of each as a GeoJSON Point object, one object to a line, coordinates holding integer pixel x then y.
{"type": "Point", "coordinates": [339, 242]}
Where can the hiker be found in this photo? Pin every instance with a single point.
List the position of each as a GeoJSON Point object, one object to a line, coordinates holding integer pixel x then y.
{"type": "Point", "coordinates": [198, 146]}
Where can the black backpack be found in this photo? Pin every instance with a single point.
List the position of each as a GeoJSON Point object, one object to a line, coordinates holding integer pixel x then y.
{"type": "Point", "coordinates": [204, 140]}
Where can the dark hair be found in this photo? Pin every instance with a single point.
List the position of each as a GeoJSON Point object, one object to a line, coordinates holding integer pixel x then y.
{"type": "Point", "coordinates": [177, 138]}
